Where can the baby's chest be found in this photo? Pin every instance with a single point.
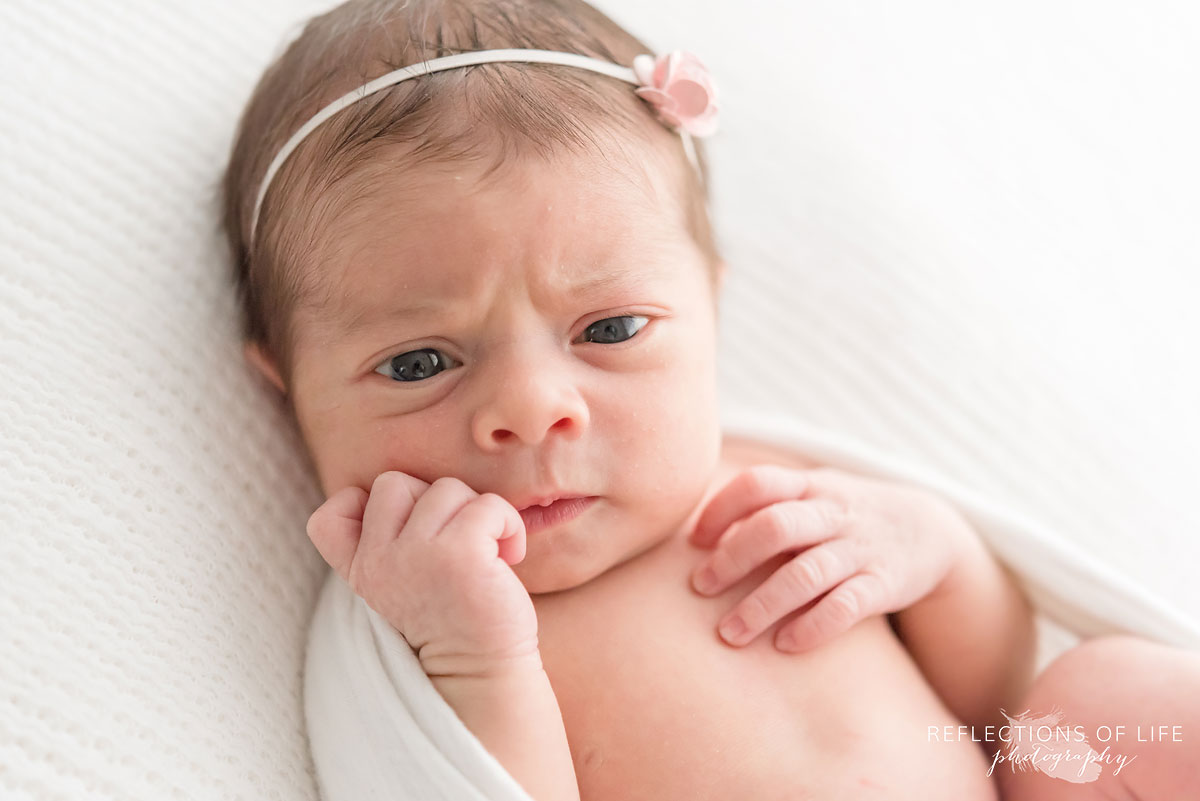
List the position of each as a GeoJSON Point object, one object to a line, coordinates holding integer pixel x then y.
{"type": "Point", "coordinates": [656, 705]}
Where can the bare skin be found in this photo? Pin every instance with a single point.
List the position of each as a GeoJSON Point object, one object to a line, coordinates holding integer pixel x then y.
{"type": "Point", "coordinates": [1147, 689]}
{"type": "Point", "coordinates": [657, 705]}
{"type": "Point", "coordinates": [847, 720]}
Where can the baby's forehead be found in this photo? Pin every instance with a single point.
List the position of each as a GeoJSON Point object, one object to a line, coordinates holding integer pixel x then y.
{"type": "Point", "coordinates": [631, 174]}
{"type": "Point", "coordinates": [392, 211]}
{"type": "Point", "coordinates": [420, 238]}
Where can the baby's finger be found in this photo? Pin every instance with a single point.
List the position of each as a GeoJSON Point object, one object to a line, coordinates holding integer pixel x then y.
{"type": "Point", "coordinates": [336, 526]}
{"type": "Point", "coordinates": [497, 521]}
{"type": "Point", "coordinates": [444, 499]}
{"type": "Point", "coordinates": [789, 588]}
{"type": "Point", "coordinates": [775, 529]}
{"type": "Point", "coordinates": [393, 496]}
{"type": "Point", "coordinates": [851, 601]}
{"type": "Point", "coordinates": [747, 492]}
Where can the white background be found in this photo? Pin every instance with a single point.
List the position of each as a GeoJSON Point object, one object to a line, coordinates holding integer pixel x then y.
{"type": "Point", "coordinates": [960, 232]}
{"type": "Point", "coordinates": [985, 218]}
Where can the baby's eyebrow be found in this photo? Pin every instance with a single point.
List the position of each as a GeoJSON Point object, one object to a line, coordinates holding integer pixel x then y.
{"type": "Point", "coordinates": [362, 319]}
{"type": "Point", "coordinates": [607, 280]}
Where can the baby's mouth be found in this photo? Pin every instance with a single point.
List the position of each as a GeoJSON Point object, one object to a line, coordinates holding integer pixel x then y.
{"type": "Point", "coordinates": [559, 511]}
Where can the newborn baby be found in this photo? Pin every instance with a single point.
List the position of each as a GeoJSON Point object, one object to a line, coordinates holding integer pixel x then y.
{"type": "Point", "coordinates": [489, 295]}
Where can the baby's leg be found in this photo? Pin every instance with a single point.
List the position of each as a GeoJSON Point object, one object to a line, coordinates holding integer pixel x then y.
{"type": "Point", "coordinates": [1109, 682]}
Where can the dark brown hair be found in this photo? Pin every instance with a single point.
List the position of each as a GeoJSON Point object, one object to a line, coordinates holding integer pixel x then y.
{"type": "Point", "coordinates": [491, 110]}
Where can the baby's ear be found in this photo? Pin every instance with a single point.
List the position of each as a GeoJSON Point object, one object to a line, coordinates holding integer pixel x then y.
{"type": "Point", "coordinates": [262, 362]}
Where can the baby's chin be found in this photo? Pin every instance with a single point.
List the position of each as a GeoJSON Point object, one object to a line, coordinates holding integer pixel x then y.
{"type": "Point", "coordinates": [566, 559]}
{"type": "Point", "coordinates": [559, 575]}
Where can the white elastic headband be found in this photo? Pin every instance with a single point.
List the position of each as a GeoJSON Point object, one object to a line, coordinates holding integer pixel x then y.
{"type": "Point", "coordinates": [658, 89]}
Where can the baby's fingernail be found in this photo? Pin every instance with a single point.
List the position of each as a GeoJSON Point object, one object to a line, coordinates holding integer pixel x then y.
{"type": "Point", "coordinates": [706, 580]}
{"type": "Point", "coordinates": [733, 628]}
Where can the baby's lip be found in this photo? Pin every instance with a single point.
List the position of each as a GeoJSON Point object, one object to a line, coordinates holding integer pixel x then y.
{"type": "Point", "coordinates": [561, 511]}
{"type": "Point", "coordinates": [545, 499]}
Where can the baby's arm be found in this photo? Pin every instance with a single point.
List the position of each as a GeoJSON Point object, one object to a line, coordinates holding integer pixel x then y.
{"type": "Point", "coordinates": [515, 714]}
{"type": "Point", "coordinates": [434, 561]}
{"type": "Point", "coordinates": [973, 635]}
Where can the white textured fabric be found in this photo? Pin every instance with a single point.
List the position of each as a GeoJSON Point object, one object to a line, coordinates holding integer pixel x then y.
{"type": "Point", "coordinates": [380, 731]}
{"type": "Point", "coordinates": [960, 233]}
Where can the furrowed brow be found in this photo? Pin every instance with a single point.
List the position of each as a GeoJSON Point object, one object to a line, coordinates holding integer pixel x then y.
{"type": "Point", "coordinates": [378, 315]}
{"type": "Point", "coordinates": [606, 281]}
{"type": "Point", "coordinates": [366, 319]}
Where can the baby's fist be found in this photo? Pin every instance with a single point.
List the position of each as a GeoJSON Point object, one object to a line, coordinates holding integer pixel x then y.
{"type": "Point", "coordinates": [433, 560]}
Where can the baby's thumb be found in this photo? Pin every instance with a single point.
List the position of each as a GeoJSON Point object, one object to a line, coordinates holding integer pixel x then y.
{"type": "Point", "coordinates": [512, 539]}
{"type": "Point", "coordinates": [336, 526]}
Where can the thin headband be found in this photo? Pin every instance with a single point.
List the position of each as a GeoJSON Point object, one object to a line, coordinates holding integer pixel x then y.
{"type": "Point", "coordinates": [676, 84]}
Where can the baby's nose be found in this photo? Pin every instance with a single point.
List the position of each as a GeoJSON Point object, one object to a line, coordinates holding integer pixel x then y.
{"type": "Point", "coordinates": [531, 435]}
{"type": "Point", "coordinates": [529, 412]}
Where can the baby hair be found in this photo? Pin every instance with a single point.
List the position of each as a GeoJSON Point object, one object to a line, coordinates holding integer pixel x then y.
{"type": "Point", "coordinates": [483, 113]}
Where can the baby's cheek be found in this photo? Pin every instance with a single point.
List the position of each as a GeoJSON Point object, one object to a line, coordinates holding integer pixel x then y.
{"type": "Point", "coordinates": [354, 451]}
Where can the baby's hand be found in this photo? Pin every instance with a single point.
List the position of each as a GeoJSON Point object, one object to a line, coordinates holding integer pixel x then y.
{"type": "Point", "coordinates": [434, 560]}
{"type": "Point", "coordinates": [875, 547]}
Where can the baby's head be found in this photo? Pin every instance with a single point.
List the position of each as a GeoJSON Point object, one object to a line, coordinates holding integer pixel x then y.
{"type": "Point", "coordinates": [503, 273]}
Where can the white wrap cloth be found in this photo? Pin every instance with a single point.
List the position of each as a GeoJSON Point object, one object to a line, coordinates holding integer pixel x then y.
{"type": "Point", "coordinates": [378, 729]}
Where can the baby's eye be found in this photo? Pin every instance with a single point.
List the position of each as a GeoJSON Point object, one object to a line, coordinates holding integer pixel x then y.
{"type": "Point", "coordinates": [614, 329]}
{"type": "Point", "coordinates": [415, 365]}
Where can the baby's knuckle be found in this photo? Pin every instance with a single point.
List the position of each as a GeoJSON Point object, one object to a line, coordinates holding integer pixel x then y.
{"type": "Point", "coordinates": [806, 574]}
{"type": "Point", "coordinates": [781, 534]}
{"type": "Point", "coordinates": [777, 523]}
{"type": "Point", "coordinates": [386, 478]}
{"type": "Point", "coordinates": [492, 502]}
{"type": "Point", "coordinates": [872, 587]}
{"type": "Point", "coordinates": [386, 482]}
{"type": "Point", "coordinates": [832, 561]}
{"type": "Point", "coordinates": [447, 482]}
{"type": "Point", "coordinates": [829, 516]}
{"type": "Point", "coordinates": [758, 607]}
{"type": "Point", "coordinates": [747, 543]}
{"type": "Point", "coordinates": [844, 606]}
{"type": "Point", "coordinates": [761, 478]}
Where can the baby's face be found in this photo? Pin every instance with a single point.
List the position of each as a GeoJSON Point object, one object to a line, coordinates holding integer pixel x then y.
{"type": "Point", "coordinates": [549, 329]}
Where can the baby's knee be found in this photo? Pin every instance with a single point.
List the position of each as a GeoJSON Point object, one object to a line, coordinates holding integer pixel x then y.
{"type": "Point", "coordinates": [1112, 650]}
{"type": "Point", "coordinates": [1092, 668]}
{"type": "Point", "coordinates": [1128, 673]}
{"type": "Point", "coordinates": [1118, 683]}
{"type": "Point", "coordinates": [1137, 703]}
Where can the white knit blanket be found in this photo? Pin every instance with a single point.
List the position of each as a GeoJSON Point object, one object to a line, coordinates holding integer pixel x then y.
{"type": "Point", "coordinates": [379, 730]}
{"type": "Point", "coordinates": [960, 232]}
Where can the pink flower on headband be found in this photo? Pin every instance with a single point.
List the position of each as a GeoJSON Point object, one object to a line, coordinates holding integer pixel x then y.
{"type": "Point", "coordinates": [679, 86]}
